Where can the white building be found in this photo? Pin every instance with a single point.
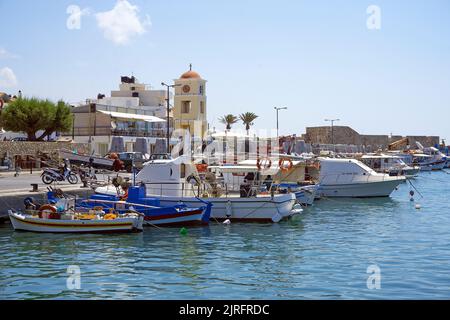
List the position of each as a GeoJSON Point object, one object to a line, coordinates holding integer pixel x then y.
{"type": "Point", "coordinates": [135, 110]}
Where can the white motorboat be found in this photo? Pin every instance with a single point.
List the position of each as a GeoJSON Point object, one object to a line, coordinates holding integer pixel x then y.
{"type": "Point", "coordinates": [390, 164]}
{"type": "Point", "coordinates": [429, 162]}
{"type": "Point", "coordinates": [177, 180]}
{"type": "Point", "coordinates": [352, 178]}
{"type": "Point", "coordinates": [429, 159]}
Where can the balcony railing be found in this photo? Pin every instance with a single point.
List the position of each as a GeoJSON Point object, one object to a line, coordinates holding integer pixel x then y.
{"type": "Point", "coordinates": [108, 131]}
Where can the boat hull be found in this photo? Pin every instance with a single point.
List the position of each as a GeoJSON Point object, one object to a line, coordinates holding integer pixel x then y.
{"type": "Point", "coordinates": [360, 190]}
{"type": "Point", "coordinates": [121, 225]}
{"type": "Point", "coordinates": [306, 195]}
{"type": "Point", "coordinates": [183, 218]}
{"type": "Point", "coordinates": [433, 166]}
{"type": "Point", "coordinates": [260, 209]}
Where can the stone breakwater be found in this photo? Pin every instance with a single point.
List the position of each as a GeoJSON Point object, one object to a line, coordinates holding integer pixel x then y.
{"type": "Point", "coordinates": [23, 148]}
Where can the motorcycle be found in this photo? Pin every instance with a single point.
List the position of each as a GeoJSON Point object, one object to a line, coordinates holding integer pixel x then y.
{"type": "Point", "coordinates": [50, 175]}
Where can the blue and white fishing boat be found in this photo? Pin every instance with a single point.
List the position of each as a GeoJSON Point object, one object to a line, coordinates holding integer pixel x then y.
{"type": "Point", "coordinates": [150, 207]}
{"type": "Point", "coordinates": [305, 195]}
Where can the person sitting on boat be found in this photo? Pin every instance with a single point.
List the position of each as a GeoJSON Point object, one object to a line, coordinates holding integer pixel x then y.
{"type": "Point", "coordinates": [246, 187]}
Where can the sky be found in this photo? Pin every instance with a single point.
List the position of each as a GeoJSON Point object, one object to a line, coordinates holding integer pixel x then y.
{"type": "Point", "coordinates": [380, 70]}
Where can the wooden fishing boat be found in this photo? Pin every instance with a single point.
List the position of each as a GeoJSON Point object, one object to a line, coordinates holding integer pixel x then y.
{"type": "Point", "coordinates": [51, 221]}
{"type": "Point", "coordinates": [177, 215]}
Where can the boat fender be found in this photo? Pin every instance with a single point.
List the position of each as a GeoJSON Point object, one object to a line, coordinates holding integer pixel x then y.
{"type": "Point", "coordinates": [229, 209]}
{"type": "Point", "coordinates": [227, 222]}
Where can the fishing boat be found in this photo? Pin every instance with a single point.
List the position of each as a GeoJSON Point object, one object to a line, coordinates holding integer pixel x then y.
{"type": "Point", "coordinates": [177, 180]}
{"type": "Point", "coordinates": [352, 178]}
{"type": "Point", "coordinates": [154, 214]}
{"type": "Point", "coordinates": [61, 217]}
{"type": "Point", "coordinates": [429, 162]}
{"type": "Point", "coordinates": [305, 194]}
{"type": "Point", "coordinates": [429, 159]}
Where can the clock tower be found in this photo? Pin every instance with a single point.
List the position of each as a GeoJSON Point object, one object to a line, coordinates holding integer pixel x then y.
{"type": "Point", "coordinates": [189, 110]}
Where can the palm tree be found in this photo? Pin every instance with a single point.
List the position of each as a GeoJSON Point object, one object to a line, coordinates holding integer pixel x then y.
{"type": "Point", "coordinates": [247, 119]}
{"type": "Point", "coordinates": [228, 119]}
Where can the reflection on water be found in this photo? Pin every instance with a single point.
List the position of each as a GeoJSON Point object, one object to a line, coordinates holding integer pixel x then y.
{"type": "Point", "coordinates": [324, 254]}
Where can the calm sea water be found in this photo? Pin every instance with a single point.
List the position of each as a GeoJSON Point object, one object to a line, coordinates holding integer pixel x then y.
{"type": "Point", "coordinates": [324, 254]}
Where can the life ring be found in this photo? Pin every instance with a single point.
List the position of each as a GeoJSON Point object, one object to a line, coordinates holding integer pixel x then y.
{"type": "Point", "coordinates": [48, 207]}
{"type": "Point", "coordinates": [284, 168]}
{"type": "Point", "coordinates": [266, 166]}
{"type": "Point", "coordinates": [202, 167]}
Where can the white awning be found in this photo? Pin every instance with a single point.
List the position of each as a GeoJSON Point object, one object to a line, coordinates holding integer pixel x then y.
{"type": "Point", "coordinates": [142, 117]}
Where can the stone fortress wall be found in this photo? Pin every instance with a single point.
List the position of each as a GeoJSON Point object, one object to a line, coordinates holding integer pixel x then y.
{"type": "Point", "coordinates": [347, 135]}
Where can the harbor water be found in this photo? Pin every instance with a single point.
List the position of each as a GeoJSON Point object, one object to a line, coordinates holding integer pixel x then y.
{"type": "Point", "coordinates": [332, 251]}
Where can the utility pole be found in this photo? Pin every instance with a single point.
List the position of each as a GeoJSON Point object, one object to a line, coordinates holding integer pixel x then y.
{"type": "Point", "coordinates": [168, 111]}
{"type": "Point", "coordinates": [278, 109]}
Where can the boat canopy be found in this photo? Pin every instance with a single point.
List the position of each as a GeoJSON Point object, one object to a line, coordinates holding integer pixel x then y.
{"type": "Point", "coordinates": [132, 116]}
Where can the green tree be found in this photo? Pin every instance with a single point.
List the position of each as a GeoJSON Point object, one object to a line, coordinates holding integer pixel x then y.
{"type": "Point", "coordinates": [61, 120]}
{"type": "Point", "coordinates": [229, 120]}
{"type": "Point", "coordinates": [31, 115]}
{"type": "Point", "coordinates": [247, 119]}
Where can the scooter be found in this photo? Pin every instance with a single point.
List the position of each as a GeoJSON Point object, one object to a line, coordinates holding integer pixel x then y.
{"type": "Point", "coordinates": [50, 175]}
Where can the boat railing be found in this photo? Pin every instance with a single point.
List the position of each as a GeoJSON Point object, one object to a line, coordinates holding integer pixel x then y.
{"type": "Point", "coordinates": [188, 190]}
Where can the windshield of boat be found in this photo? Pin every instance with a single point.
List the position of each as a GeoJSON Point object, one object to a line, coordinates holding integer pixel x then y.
{"type": "Point", "coordinates": [364, 167]}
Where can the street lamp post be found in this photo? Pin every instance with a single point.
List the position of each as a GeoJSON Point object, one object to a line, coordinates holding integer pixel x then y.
{"type": "Point", "coordinates": [278, 109]}
{"type": "Point", "coordinates": [332, 128]}
{"type": "Point", "coordinates": [168, 112]}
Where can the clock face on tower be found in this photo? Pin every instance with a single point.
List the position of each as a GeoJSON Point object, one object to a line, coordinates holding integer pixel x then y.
{"type": "Point", "coordinates": [186, 88]}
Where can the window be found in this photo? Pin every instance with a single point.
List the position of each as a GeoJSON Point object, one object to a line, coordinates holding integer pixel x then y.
{"type": "Point", "coordinates": [202, 107]}
{"type": "Point", "coordinates": [102, 148]}
{"type": "Point", "coordinates": [201, 90]}
{"type": "Point", "coordinates": [129, 146]}
{"type": "Point", "coordinates": [185, 107]}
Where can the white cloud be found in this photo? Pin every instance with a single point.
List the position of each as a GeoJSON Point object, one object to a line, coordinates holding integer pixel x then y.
{"type": "Point", "coordinates": [122, 22]}
{"type": "Point", "coordinates": [4, 54]}
{"type": "Point", "coordinates": [7, 78]}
